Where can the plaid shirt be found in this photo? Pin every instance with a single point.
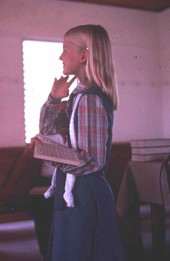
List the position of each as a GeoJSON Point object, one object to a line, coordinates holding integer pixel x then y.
{"type": "Point", "coordinates": [92, 130]}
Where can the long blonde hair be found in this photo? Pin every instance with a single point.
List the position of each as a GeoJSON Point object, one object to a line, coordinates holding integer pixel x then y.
{"type": "Point", "coordinates": [99, 65]}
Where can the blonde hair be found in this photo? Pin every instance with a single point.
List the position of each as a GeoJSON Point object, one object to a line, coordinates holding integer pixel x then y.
{"type": "Point", "coordinates": [99, 65]}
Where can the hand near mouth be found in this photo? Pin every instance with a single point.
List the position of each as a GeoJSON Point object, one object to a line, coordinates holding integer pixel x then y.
{"type": "Point", "coordinates": [60, 88]}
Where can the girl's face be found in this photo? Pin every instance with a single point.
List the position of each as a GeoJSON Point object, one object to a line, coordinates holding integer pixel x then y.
{"type": "Point", "coordinates": [73, 59]}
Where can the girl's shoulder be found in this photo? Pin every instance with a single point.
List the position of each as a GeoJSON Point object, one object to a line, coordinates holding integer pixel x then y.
{"type": "Point", "coordinates": [96, 91]}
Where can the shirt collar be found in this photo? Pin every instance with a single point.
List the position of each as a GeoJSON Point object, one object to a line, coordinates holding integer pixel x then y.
{"type": "Point", "coordinates": [80, 88]}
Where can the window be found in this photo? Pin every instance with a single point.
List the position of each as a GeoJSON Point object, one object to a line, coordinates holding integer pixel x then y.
{"type": "Point", "coordinates": [41, 65]}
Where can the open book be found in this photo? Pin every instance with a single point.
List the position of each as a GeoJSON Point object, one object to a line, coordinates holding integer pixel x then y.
{"type": "Point", "coordinates": [51, 150]}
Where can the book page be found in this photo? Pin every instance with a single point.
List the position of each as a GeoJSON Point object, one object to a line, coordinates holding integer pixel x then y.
{"type": "Point", "coordinates": [51, 150]}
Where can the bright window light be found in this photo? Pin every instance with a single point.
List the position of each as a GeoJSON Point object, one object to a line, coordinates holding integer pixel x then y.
{"type": "Point", "coordinates": [41, 65]}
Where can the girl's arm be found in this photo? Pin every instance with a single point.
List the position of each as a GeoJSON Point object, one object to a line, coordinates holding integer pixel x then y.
{"type": "Point", "coordinates": [53, 118]}
{"type": "Point", "coordinates": [92, 136]}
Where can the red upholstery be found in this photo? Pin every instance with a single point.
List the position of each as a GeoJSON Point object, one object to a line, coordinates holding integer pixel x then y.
{"type": "Point", "coordinates": [18, 171]}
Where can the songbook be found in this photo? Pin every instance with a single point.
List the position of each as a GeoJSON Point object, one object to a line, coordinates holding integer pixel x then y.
{"type": "Point", "coordinates": [147, 157]}
{"type": "Point", "coordinates": [51, 150]}
{"type": "Point", "coordinates": [150, 149]}
{"type": "Point", "coordinates": [150, 143]}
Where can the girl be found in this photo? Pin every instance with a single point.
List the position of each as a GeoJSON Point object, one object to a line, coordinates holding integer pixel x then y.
{"type": "Point", "coordinates": [89, 230]}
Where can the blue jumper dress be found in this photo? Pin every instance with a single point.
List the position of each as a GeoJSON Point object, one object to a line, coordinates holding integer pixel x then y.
{"type": "Point", "coordinates": [89, 231]}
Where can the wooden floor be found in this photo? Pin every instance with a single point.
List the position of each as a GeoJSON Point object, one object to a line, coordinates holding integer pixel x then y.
{"type": "Point", "coordinates": [18, 242]}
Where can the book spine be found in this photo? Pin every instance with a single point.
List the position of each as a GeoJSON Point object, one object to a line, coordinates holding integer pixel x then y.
{"type": "Point", "coordinates": [151, 150]}
{"type": "Point", "coordinates": [151, 143]}
{"type": "Point", "coordinates": [149, 157]}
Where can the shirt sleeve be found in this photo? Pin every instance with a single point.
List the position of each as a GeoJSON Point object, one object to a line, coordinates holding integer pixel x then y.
{"type": "Point", "coordinates": [53, 119]}
{"type": "Point", "coordinates": [92, 136]}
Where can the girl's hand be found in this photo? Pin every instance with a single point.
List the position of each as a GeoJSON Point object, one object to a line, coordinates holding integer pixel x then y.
{"type": "Point", "coordinates": [32, 143]}
{"type": "Point", "coordinates": [60, 88]}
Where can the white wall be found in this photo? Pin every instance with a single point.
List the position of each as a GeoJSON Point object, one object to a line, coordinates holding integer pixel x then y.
{"type": "Point", "coordinates": [136, 49]}
{"type": "Point", "coordinates": [164, 23]}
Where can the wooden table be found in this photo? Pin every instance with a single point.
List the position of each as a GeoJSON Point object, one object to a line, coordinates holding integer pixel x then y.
{"type": "Point", "coordinates": [145, 183]}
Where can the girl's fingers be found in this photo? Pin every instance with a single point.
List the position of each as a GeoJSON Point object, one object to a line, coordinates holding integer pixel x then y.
{"type": "Point", "coordinates": [60, 88]}
{"type": "Point", "coordinates": [72, 80]}
{"type": "Point", "coordinates": [62, 78]}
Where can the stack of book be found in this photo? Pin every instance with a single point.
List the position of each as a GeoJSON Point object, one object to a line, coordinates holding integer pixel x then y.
{"type": "Point", "coordinates": [150, 149]}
